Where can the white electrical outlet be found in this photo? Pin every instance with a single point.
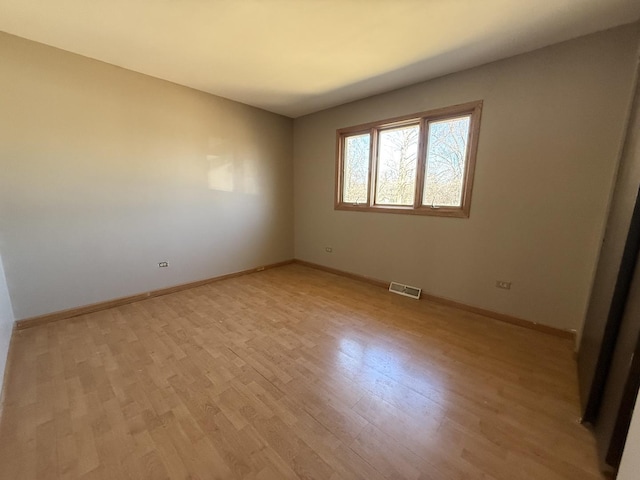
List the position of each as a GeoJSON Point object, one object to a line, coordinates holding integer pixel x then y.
{"type": "Point", "coordinates": [504, 285]}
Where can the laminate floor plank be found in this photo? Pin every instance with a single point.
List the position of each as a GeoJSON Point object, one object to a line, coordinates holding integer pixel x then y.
{"type": "Point", "coordinates": [291, 373]}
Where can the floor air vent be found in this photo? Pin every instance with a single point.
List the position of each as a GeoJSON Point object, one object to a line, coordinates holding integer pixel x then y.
{"type": "Point", "coordinates": [405, 290]}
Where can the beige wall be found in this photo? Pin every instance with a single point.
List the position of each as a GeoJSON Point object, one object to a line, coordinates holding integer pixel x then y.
{"type": "Point", "coordinates": [551, 130]}
{"type": "Point", "coordinates": [106, 172]}
{"type": "Point", "coordinates": [6, 326]}
{"type": "Point", "coordinates": [623, 201]}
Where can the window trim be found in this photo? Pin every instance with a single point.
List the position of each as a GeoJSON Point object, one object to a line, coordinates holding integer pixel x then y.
{"type": "Point", "coordinates": [474, 109]}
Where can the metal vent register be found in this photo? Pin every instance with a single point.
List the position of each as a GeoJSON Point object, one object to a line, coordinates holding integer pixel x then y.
{"type": "Point", "coordinates": [406, 290]}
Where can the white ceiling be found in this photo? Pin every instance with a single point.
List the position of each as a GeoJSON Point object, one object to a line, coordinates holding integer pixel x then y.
{"type": "Point", "coordinates": [299, 56]}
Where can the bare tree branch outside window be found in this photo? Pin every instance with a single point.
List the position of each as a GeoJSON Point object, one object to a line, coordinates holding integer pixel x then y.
{"type": "Point", "coordinates": [446, 156]}
{"type": "Point", "coordinates": [356, 168]}
{"type": "Point", "coordinates": [397, 161]}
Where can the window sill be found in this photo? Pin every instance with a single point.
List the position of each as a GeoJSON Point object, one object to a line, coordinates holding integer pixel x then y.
{"type": "Point", "coordinates": [428, 211]}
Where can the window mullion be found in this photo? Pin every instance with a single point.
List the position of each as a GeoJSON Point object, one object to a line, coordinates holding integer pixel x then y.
{"type": "Point", "coordinates": [340, 170]}
{"type": "Point", "coordinates": [421, 162]}
{"type": "Point", "coordinates": [373, 165]}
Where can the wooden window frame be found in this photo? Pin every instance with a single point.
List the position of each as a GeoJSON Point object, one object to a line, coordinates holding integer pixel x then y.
{"type": "Point", "coordinates": [473, 109]}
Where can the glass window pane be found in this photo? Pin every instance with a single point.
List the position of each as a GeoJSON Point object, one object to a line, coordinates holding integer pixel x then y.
{"type": "Point", "coordinates": [355, 183]}
{"type": "Point", "coordinates": [446, 157]}
{"type": "Point", "coordinates": [396, 175]}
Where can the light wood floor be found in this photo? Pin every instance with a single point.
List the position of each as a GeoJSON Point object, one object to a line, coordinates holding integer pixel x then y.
{"type": "Point", "coordinates": [291, 373]}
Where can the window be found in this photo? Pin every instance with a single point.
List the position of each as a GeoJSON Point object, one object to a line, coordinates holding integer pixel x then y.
{"type": "Point", "coordinates": [418, 164]}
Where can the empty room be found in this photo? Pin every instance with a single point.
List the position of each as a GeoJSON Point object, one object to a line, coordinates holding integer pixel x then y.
{"type": "Point", "coordinates": [319, 239]}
